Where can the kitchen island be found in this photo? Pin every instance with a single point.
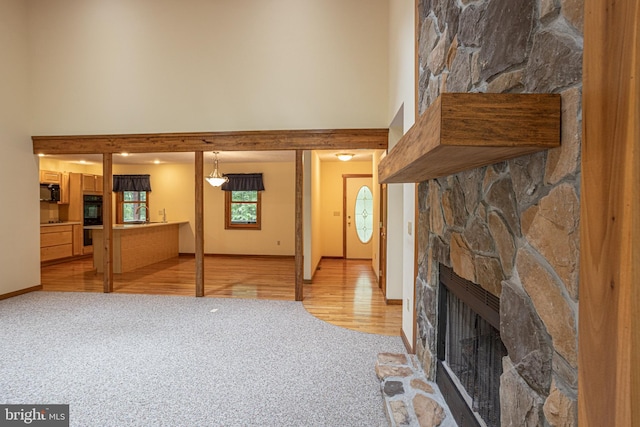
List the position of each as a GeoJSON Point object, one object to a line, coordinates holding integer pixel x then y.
{"type": "Point", "coordinates": [137, 245]}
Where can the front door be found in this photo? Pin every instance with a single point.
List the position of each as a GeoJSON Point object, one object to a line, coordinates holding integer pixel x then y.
{"type": "Point", "coordinates": [358, 216]}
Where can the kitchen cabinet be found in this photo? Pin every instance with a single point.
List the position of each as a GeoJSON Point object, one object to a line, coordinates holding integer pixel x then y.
{"type": "Point", "coordinates": [92, 183]}
{"type": "Point", "coordinates": [59, 178]}
{"type": "Point", "coordinates": [64, 189]}
{"type": "Point", "coordinates": [72, 211]}
{"type": "Point", "coordinates": [56, 242]}
{"type": "Point", "coordinates": [50, 177]}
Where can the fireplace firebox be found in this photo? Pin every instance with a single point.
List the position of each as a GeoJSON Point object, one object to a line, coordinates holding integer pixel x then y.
{"type": "Point", "coordinates": [469, 350]}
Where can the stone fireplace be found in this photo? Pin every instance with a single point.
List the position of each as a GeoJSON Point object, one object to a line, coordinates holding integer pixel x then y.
{"type": "Point", "coordinates": [511, 227]}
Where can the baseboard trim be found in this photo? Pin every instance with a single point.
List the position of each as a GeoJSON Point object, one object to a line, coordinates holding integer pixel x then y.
{"type": "Point", "coordinates": [393, 301]}
{"type": "Point", "coordinates": [192, 255]}
{"type": "Point", "coordinates": [407, 345]}
{"type": "Point", "coordinates": [21, 292]}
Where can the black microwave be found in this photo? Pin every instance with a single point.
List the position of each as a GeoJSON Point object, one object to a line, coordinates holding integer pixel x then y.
{"type": "Point", "coordinates": [49, 193]}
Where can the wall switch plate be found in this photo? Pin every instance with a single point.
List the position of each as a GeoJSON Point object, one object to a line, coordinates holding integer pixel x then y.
{"type": "Point", "coordinates": [336, 213]}
{"type": "Point", "coordinates": [409, 228]}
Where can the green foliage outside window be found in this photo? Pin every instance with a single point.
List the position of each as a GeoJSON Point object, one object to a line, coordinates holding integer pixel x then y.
{"type": "Point", "coordinates": [131, 202]}
{"type": "Point", "coordinates": [244, 207]}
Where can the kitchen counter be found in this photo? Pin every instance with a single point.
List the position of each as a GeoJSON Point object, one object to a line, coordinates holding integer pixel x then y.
{"type": "Point", "coordinates": [137, 245]}
{"type": "Point", "coordinates": [133, 226]}
{"type": "Point", "coordinates": [53, 224]}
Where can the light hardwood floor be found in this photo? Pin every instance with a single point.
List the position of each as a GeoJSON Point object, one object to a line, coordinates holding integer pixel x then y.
{"type": "Point", "coordinates": [343, 292]}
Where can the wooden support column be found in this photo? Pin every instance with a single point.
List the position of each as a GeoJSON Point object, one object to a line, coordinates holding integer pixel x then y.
{"type": "Point", "coordinates": [299, 260]}
{"type": "Point", "coordinates": [199, 176]}
{"type": "Point", "coordinates": [107, 222]}
{"type": "Point", "coordinates": [609, 327]}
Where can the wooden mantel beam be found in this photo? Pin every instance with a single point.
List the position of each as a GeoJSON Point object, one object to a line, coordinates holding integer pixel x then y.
{"type": "Point", "coordinates": [269, 140]}
{"type": "Point", "coordinates": [461, 131]}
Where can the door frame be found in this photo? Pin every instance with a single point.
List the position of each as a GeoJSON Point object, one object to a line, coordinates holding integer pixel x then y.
{"type": "Point", "coordinates": [382, 241]}
{"type": "Point", "coordinates": [344, 206]}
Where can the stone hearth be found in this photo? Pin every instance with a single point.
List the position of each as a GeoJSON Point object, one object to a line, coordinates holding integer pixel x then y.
{"type": "Point", "coordinates": [410, 400]}
{"type": "Point", "coordinates": [511, 227]}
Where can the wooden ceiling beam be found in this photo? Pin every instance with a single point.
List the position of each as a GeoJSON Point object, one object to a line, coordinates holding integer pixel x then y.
{"type": "Point", "coordinates": [271, 140]}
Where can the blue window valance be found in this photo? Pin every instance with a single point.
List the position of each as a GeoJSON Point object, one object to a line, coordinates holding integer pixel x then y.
{"type": "Point", "coordinates": [123, 183]}
{"type": "Point", "coordinates": [243, 182]}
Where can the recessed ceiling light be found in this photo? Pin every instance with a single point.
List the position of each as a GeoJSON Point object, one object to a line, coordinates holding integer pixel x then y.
{"type": "Point", "coordinates": [84, 162]}
{"type": "Point", "coordinates": [157, 162]}
{"type": "Point", "coordinates": [41, 154]}
{"type": "Point", "coordinates": [124, 154]}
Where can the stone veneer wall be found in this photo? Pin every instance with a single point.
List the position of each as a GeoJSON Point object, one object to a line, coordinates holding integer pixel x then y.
{"type": "Point", "coordinates": [511, 227]}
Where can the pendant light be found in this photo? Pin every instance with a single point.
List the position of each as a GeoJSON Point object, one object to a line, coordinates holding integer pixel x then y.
{"type": "Point", "coordinates": [215, 178]}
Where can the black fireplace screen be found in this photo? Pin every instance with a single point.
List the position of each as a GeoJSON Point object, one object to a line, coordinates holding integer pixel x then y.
{"type": "Point", "coordinates": [470, 350]}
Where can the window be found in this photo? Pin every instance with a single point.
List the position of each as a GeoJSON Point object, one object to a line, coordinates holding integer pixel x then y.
{"type": "Point", "coordinates": [242, 210]}
{"type": "Point", "coordinates": [364, 214]}
{"type": "Point", "coordinates": [132, 206]}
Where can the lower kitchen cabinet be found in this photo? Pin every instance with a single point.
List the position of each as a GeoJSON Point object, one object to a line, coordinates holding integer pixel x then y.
{"type": "Point", "coordinates": [56, 242]}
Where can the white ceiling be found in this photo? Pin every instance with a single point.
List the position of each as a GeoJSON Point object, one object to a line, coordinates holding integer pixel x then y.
{"type": "Point", "coordinates": [223, 157]}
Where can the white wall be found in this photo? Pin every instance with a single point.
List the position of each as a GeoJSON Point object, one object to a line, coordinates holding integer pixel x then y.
{"type": "Point", "coordinates": [375, 239]}
{"type": "Point", "coordinates": [395, 224]}
{"type": "Point", "coordinates": [20, 215]}
{"type": "Point", "coordinates": [316, 211]}
{"type": "Point", "coordinates": [124, 66]}
{"type": "Point", "coordinates": [307, 218]}
{"type": "Point", "coordinates": [402, 60]}
{"type": "Point", "coordinates": [402, 96]}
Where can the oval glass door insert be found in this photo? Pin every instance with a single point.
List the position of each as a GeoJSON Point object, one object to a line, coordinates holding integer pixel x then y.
{"type": "Point", "coordinates": [364, 214]}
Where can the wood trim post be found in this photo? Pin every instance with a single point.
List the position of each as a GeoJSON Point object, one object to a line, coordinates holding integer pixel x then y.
{"type": "Point", "coordinates": [199, 209]}
{"type": "Point", "coordinates": [107, 222]}
{"type": "Point", "coordinates": [344, 217]}
{"type": "Point", "coordinates": [299, 260]}
{"type": "Point", "coordinates": [609, 327]}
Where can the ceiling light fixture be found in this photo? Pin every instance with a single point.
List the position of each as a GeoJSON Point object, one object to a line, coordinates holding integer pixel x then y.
{"type": "Point", "coordinates": [345, 157]}
{"type": "Point", "coordinates": [124, 154]}
{"type": "Point", "coordinates": [215, 178]}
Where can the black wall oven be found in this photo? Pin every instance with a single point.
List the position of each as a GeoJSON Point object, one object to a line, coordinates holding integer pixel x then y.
{"type": "Point", "coordinates": [92, 206]}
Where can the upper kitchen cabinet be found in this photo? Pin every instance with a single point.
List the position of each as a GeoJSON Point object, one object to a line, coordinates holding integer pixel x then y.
{"type": "Point", "coordinates": [64, 188]}
{"type": "Point", "coordinates": [91, 183]}
{"type": "Point", "coordinates": [60, 179]}
{"type": "Point", "coordinates": [50, 177]}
